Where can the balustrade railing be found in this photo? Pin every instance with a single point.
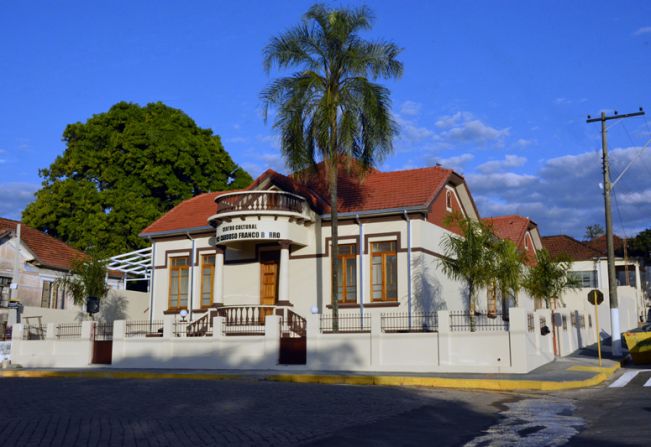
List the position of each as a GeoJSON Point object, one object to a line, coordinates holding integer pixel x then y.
{"type": "Point", "coordinates": [260, 201]}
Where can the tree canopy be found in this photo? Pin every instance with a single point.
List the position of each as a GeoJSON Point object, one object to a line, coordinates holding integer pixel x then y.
{"type": "Point", "coordinates": [593, 232]}
{"type": "Point", "coordinates": [640, 245]}
{"type": "Point", "coordinates": [123, 169]}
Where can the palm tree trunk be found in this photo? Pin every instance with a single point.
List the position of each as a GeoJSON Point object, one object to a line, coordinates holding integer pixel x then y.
{"type": "Point", "coordinates": [335, 247]}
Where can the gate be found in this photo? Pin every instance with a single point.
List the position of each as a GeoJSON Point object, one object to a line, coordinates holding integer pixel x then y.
{"type": "Point", "coordinates": [102, 343]}
{"type": "Point", "coordinates": [293, 340]}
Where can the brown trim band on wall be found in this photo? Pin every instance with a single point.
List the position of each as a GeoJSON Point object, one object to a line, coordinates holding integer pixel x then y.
{"type": "Point", "coordinates": [391, 218]}
{"type": "Point", "coordinates": [366, 305]}
{"type": "Point", "coordinates": [186, 251]}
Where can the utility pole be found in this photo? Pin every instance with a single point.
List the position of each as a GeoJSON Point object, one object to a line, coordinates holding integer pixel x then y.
{"type": "Point", "coordinates": [612, 281]}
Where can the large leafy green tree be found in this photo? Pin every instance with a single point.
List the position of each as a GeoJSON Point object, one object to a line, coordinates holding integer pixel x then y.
{"type": "Point", "coordinates": [330, 108]}
{"type": "Point", "coordinates": [123, 169]}
{"type": "Point", "coordinates": [640, 245]}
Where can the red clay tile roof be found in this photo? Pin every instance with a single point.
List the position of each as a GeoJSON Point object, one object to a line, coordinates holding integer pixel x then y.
{"type": "Point", "coordinates": [509, 227]}
{"type": "Point", "coordinates": [600, 244]}
{"type": "Point", "coordinates": [376, 191]}
{"type": "Point", "coordinates": [49, 252]}
{"type": "Point", "coordinates": [191, 213]}
{"type": "Point", "coordinates": [576, 250]}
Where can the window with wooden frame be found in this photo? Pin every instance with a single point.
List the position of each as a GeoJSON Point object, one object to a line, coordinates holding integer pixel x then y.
{"type": "Point", "coordinates": [347, 278]}
{"type": "Point", "coordinates": [179, 282]}
{"type": "Point", "coordinates": [384, 271]}
{"type": "Point", "coordinates": [207, 279]}
{"type": "Point", "coordinates": [45, 293]}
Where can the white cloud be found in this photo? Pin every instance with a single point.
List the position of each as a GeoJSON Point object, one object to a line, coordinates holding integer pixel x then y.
{"type": "Point", "coordinates": [411, 133]}
{"type": "Point", "coordinates": [456, 162]}
{"type": "Point", "coordinates": [463, 127]}
{"type": "Point", "coordinates": [236, 140]}
{"type": "Point", "coordinates": [14, 197]}
{"type": "Point", "coordinates": [643, 30]}
{"type": "Point", "coordinates": [270, 140]}
{"type": "Point", "coordinates": [410, 108]}
{"type": "Point", "coordinates": [258, 162]}
{"type": "Point", "coordinates": [567, 101]}
{"type": "Point", "coordinates": [523, 143]}
{"type": "Point", "coordinates": [563, 196]}
{"type": "Point", "coordinates": [510, 161]}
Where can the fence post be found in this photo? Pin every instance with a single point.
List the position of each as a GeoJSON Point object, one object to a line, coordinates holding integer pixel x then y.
{"type": "Point", "coordinates": [119, 330]}
{"type": "Point", "coordinates": [50, 331]}
{"type": "Point", "coordinates": [87, 330]}
{"type": "Point", "coordinates": [168, 326]}
{"type": "Point", "coordinates": [271, 340]}
{"type": "Point", "coordinates": [313, 332]}
{"type": "Point", "coordinates": [518, 329]}
{"type": "Point", "coordinates": [375, 339]}
{"type": "Point", "coordinates": [443, 317]}
{"type": "Point", "coordinates": [218, 327]}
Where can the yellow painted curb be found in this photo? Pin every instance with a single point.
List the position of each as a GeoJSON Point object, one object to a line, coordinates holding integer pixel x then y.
{"type": "Point", "coordinates": [449, 383]}
{"type": "Point", "coordinates": [597, 369]}
{"type": "Point", "coordinates": [35, 374]}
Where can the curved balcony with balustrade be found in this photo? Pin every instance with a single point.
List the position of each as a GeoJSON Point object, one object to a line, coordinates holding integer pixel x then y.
{"type": "Point", "coordinates": [247, 203]}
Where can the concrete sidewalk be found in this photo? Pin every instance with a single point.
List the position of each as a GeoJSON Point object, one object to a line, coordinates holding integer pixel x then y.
{"type": "Point", "coordinates": [577, 371]}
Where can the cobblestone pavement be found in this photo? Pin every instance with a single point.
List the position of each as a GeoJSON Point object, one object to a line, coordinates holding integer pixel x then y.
{"type": "Point", "coordinates": [99, 412]}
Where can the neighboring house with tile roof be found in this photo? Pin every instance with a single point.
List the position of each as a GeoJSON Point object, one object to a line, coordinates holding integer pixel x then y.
{"type": "Point", "coordinates": [522, 231]}
{"type": "Point", "coordinates": [269, 244]}
{"type": "Point", "coordinates": [590, 268]}
{"type": "Point", "coordinates": [41, 260]}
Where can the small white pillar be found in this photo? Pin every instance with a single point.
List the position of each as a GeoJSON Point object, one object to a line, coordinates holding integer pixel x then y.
{"type": "Point", "coordinates": [87, 329]}
{"type": "Point", "coordinates": [218, 285]}
{"type": "Point", "coordinates": [283, 274]}
{"type": "Point", "coordinates": [50, 331]}
{"type": "Point", "coordinates": [218, 327]}
{"type": "Point", "coordinates": [168, 326]}
{"type": "Point", "coordinates": [119, 330]}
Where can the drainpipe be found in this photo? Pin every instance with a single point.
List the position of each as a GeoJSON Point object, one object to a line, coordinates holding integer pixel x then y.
{"type": "Point", "coordinates": [361, 270]}
{"type": "Point", "coordinates": [408, 267]}
{"type": "Point", "coordinates": [151, 280]}
{"type": "Point", "coordinates": [191, 279]}
{"type": "Point", "coordinates": [16, 278]}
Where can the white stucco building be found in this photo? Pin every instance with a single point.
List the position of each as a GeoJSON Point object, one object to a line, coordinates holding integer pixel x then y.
{"type": "Point", "coordinates": [270, 245]}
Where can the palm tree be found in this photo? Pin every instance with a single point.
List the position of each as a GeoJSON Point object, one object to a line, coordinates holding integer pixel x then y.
{"type": "Point", "coordinates": [86, 278]}
{"type": "Point", "coordinates": [330, 108]}
{"type": "Point", "coordinates": [508, 271]}
{"type": "Point", "coordinates": [469, 257]}
{"type": "Point", "coordinates": [548, 280]}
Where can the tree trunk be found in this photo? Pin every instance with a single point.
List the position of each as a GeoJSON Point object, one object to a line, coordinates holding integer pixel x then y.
{"type": "Point", "coordinates": [334, 249]}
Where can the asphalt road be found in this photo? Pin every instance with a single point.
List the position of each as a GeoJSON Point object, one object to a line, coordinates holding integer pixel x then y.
{"type": "Point", "coordinates": [107, 412]}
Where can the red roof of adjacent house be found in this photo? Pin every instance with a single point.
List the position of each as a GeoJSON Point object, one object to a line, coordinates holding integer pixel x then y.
{"type": "Point", "coordinates": [48, 251]}
{"type": "Point", "coordinates": [601, 245]}
{"type": "Point", "coordinates": [375, 191]}
{"type": "Point", "coordinates": [509, 227]}
{"type": "Point", "coordinates": [566, 245]}
{"type": "Point", "coordinates": [514, 229]}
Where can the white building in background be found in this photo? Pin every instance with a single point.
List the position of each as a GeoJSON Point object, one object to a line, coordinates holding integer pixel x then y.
{"type": "Point", "coordinates": [590, 267]}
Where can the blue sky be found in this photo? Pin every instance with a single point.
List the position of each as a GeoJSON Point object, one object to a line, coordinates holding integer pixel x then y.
{"type": "Point", "coordinates": [498, 90]}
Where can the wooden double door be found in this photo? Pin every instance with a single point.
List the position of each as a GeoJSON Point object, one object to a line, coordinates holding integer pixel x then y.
{"type": "Point", "coordinates": [269, 269]}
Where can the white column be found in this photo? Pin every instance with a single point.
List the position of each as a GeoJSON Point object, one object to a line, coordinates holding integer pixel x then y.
{"type": "Point", "coordinates": [218, 286]}
{"type": "Point", "coordinates": [283, 274]}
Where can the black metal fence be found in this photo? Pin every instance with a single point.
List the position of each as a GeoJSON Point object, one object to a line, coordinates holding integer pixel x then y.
{"type": "Point", "coordinates": [349, 323]}
{"type": "Point", "coordinates": [462, 321]}
{"type": "Point", "coordinates": [141, 329]}
{"type": "Point", "coordinates": [5, 331]}
{"type": "Point", "coordinates": [33, 332]}
{"type": "Point", "coordinates": [103, 331]}
{"type": "Point", "coordinates": [402, 322]}
{"type": "Point", "coordinates": [69, 330]}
